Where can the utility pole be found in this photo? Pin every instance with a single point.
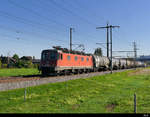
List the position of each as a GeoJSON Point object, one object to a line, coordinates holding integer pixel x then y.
{"type": "Point", "coordinates": [107, 41]}
{"type": "Point", "coordinates": [135, 52]}
{"type": "Point", "coordinates": [111, 43]}
{"type": "Point", "coordinates": [8, 59]}
{"type": "Point", "coordinates": [107, 27]}
{"type": "Point", "coordinates": [71, 39]}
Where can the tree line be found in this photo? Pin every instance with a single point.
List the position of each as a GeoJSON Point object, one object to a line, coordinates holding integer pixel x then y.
{"type": "Point", "coordinates": [16, 62]}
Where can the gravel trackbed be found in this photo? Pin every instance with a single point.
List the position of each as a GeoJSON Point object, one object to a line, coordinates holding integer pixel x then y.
{"type": "Point", "coordinates": [22, 82]}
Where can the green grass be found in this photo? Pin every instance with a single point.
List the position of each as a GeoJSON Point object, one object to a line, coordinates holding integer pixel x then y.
{"type": "Point", "coordinates": [111, 93]}
{"type": "Point", "coordinates": [18, 72]}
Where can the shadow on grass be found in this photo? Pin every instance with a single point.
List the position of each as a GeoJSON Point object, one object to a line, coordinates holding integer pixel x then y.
{"type": "Point", "coordinates": [38, 75]}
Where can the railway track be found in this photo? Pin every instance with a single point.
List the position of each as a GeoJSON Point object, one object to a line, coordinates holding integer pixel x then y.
{"type": "Point", "coordinates": [9, 83]}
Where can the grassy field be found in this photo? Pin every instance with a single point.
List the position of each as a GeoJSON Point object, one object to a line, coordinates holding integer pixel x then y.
{"type": "Point", "coordinates": [18, 72]}
{"type": "Point", "coordinates": [111, 93]}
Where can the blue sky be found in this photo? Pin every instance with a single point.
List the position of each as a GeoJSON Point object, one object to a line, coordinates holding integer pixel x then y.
{"type": "Point", "coordinates": [29, 26]}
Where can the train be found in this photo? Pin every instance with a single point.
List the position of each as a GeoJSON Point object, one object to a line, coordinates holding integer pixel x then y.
{"type": "Point", "coordinates": [63, 61]}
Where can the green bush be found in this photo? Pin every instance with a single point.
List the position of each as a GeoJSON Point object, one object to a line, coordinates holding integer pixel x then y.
{"type": "Point", "coordinates": [28, 64]}
{"type": "Point", "coordinates": [24, 64]}
{"type": "Point", "coordinates": [19, 64]}
{"type": "Point", "coordinates": [35, 65]}
{"type": "Point", "coordinates": [4, 65]}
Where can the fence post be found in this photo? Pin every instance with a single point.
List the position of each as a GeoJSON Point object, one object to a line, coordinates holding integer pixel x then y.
{"type": "Point", "coordinates": [134, 103]}
{"type": "Point", "coordinates": [25, 94]}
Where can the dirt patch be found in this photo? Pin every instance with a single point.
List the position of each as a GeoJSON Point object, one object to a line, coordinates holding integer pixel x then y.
{"type": "Point", "coordinates": [76, 106]}
{"type": "Point", "coordinates": [140, 72]}
{"type": "Point", "coordinates": [110, 107]}
{"type": "Point", "coordinates": [15, 79]}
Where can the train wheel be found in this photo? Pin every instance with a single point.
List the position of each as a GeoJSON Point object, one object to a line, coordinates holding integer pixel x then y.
{"type": "Point", "coordinates": [44, 73]}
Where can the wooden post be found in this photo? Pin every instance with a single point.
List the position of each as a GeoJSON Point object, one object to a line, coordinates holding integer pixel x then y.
{"type": "Point", "coordinates": [25, 94]}
{"type": "Point", "coordinates": [134, 103]}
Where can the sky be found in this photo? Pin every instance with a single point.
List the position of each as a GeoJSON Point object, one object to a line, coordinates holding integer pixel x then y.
{"type": "Point", "coordinates": [29, 26]}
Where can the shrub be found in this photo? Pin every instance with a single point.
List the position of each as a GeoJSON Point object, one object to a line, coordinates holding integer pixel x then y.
{"type": "Point", "coordinates": [36, 65]}
{"type": "Point", "coordinates": [4, 65]}
{"type": "Point", "coordinates": [28, 64]}
{"type": "Point", "coordinates": [24, 63]}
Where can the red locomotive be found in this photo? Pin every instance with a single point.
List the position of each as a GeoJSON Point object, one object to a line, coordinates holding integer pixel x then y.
{"type": "Point", "coordinates": [59, 60]}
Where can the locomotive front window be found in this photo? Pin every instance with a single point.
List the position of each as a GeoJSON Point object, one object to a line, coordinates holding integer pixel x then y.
{"type": "Point", "coordinates": [53, 55]}
{"type": "Point", "coordinates": [50, 55]}
{"type": "Point", "coordinates": [45, 56]}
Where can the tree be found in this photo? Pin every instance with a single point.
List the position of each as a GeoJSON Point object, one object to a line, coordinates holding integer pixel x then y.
{"type": "Point", "coordinates": [98, 51]}
{"type": "Point", "coordinates": [33, 57]}
{"type": "Point", "coordinates": [16, 57]}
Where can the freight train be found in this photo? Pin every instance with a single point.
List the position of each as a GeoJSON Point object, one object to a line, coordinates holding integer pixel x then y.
{"type": "Point", "coordinates": [63, 61]}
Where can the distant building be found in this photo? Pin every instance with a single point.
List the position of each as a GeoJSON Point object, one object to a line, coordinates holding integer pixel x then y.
{"type": "Point", "coordinates": [26, 58]}
{"type": "Point", "coordinates": [144, 59]}
{"type": "Point", "coordinates": [36, 61]}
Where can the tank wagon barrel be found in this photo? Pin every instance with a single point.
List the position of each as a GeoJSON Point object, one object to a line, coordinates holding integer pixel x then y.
{"type": "Point", "coordinates": [100, 62]}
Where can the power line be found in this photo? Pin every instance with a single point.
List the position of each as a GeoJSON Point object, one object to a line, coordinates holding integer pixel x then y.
{"type": "Point", "coordinates": [78, 6]}
{"type": "Point", "coordinates": [24, 21]}
{"type": "Point", "coordinates": [111, 27]}
{"type": "Point", "coordinates": [33, 23]}
{"type": "Point", "coordinates": [69, 11]}
{"type": "Point", "coordinates": [64, 12]}
{"type": "Point", "coordinates": [71, 39]}
{"type": "Point", "coordinates": [46, 5]}
{"type": "Point", "coordinates": [28, 33]}
{"type": "Point", "coordinates": [135, 52]}
{"type": "Point", "coordinates": [15, 4]}
{"type": "Point", "coordinates": [34, 12]}
{"type": "Point", "coordinates": [107, 37]}
{"type": "Point", "coordinates": [55, 12]}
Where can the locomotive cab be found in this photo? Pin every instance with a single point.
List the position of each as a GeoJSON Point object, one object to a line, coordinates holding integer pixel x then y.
{"type": "Point", "coordinates": [49, 61]}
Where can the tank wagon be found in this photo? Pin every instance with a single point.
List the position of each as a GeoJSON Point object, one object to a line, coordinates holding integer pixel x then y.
{"type": "Point", "coordinates": [122, 64]}
{"type": "Point", "coordinates": [100, 63]}
{"type": "Point", "coordinates": [115, 63]}
{"type": "Point", "coordinates": [62, 61]}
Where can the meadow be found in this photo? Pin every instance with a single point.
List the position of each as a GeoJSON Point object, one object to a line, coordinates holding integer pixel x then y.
{"type": "Point", "coordinates": [111, 93]}
{"type": "Point", "coordinates": [18, 72]}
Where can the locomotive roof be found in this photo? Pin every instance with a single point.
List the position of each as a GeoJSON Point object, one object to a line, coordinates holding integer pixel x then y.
{"type": "Point", "coordinates": [65, 50]}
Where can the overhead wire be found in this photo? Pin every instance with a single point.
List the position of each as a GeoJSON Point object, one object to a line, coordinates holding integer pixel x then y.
{"type": "Point", "coordinates": [72, 13]}
{"type": "Point", "coordinates": [35, 13]}
{"type": "Point", "coordinates": [76, 7]}
{"type": "Point", "coordinates": [69, 11]}
{"type": "Point", "coordinates": [63, 13]}
{"type": "Point", "coordinates": [81, 8]}
{"type": "Point", "coordinates": [38, 13]}
{"type": "Point", "coordinates": [24, 21]}
{"type": "Point", "coordinates": [33, 23]}
{"type": "Point", "coordinates": [28, 33]}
